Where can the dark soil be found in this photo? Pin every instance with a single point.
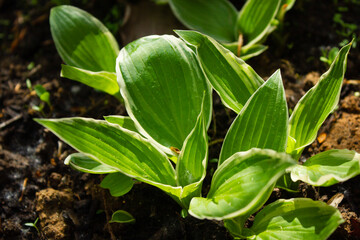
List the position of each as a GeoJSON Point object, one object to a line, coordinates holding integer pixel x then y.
{"type": "Point", "coordinates": [34, 182]}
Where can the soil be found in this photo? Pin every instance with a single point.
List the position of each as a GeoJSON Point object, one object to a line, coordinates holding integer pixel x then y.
{"type": "Point", "coordinates": [34, 182]}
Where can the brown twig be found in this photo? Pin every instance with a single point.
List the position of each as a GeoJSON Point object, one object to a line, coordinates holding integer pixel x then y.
{"type": "Point", "coordinates": [8, 122]}
{"type": "Point", "coordinates": [23, 189]}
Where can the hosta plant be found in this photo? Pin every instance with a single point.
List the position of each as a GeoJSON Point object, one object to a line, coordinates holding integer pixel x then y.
{"type": "Point", "coordinates": [163, 142]}
{"type": "Point", "coordinates": [169, 102]}
{"type": "Point", "coordinates": [244, 31]}
{"type": "Point", "coordinates": [263, 123]}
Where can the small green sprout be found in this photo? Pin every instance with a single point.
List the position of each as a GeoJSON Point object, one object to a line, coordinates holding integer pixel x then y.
{"type": "Point", "coordinates": [30, 66]}
{"type": "Point", "coordinates": [33, 225]}
{"type": "Point", "coordinates": [121, 216]}
{"type": "Point", "coordinates": [328, 56]}
{"type": "Point", "coordinates": [43, 95]}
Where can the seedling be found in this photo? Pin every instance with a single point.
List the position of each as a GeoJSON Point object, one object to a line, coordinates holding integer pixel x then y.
{"type": "Point", "coordinates": [328, 56]}
{"type": "Point", "coordinates": [122, 216]}
{"type": "Point", "coordinates": [33, 225]}
{"type": "Point", "coordinates": [43, 95]}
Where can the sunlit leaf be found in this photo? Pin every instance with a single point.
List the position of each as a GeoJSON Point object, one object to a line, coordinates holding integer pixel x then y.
{"type": "Point", "coordinates": [84, 163]}
{"type": "Point", "coordinates": [82, 40]}
{"type": "Point", "coordinates": [103, 81]}
{"type": "Point", "coordinates": [255, 18]}
{"type": "Point", "coordinates": [316, 105]}
{"type": "Point", "coordinates": [231, 77]}
{"type": "Point", "coordinates": [192, 161]}
{"type": "Point", "coordinates": [242, 184]}
{"type": "Point", "coordinates": [163, 87]}
{"type": "Point", "coordinates": [298, 218]}
{"type": "Point", "coordinates": [328, 168]}
{"type": "Point", "coordinates": [117, 147]}
{"type": "Point", "coordinates": [246, 52]}
{"type": "Point", "coordinates": [262, 123]}
{"type": "Point", "coordinates": [122, 121]}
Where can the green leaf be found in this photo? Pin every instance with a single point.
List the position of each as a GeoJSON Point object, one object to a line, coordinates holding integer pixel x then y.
{"type": "Point", "coordinates": [122, 121]}
{"type": "Point", "coordinates": [316, 105]}
{"type": "Point", "coordinates": [262, 123]}
{"type": "Point", "coordinates": [231, 77]}
{"type": "Point", "coordinates": [81, 40]}
{"type": "Point", "coordinates": [299, 218]}
{"type": "Point", "coordinates": [121, 216]}
{"type": "Point", "coordinates": [163, 87]}
{"type": "Point", "coordinates": [328, 168]}
{"type": "Point", "coordinates": [216, 18]}
{"type": "Point", "coordinates": [117, 147]}
{"type": "Point", "coordinates": [192, 161]}
{"type": "Point", "coordinates": [285, 6]}
{"type": "Point", "coordinates": [104, 81]}
{"type": "Point", "coordinates": [255, 18]}
{"type": "Point", "coordinates": [246, 52]}
{"type": "Point", "coordinates": [42, 94]}
{"type": "Point", "coordinates": [84, 163]}
{"type": "Point", "coordinates": [117, 183]}
{"type": "Point", "coordinates": [242, 184]}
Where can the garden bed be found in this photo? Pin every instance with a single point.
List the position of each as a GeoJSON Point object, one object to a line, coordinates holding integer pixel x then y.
{"type": "Point", "coordinates": [70, 205]}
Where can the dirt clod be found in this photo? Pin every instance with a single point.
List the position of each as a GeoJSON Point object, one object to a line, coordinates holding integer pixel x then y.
{"type": "Point", "coordinates": [51, 205]}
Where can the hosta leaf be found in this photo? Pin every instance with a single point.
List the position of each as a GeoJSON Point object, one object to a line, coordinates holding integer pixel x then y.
{"type": "Point", "coordinates": [246, 52]}
{"type": "Point", "coordinates": [82, 40]}
{"type": "Point", "coordinates": [121, 216]}
{"type": "Point", "coordinates": [192, 161]}
{"type": "Point", "coordinates": [114, 146]}
{"type": "Point", "coordinates": [316, 105]}
{"type": "Point", "coordinates": [104, 81]}
{"type": "Point", "coordinates": [328, 168]}
{"type": "Point", "coordinates": [117, 183]}
{"type": "Point", "coordinates": [231, 77]}
{"type": "Point", "coordinates": [262, 123]}
{"type": "Point", "coordinates": [299, 218]}
{"type": "Point", "coordinates": [84, 163]}
{"type": "Point", "coordinates": [122, 121]}
{"type": "Point", "coordinates": [285, 6]}
{"type": "Point", "coordinates": [216, 18]}
{"type": "Point", "coordinates": [163, 87]}
{"type": "Point", "coordinates": [255, 18]}
{"type": "Point", "coordinates": [242, 184]}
